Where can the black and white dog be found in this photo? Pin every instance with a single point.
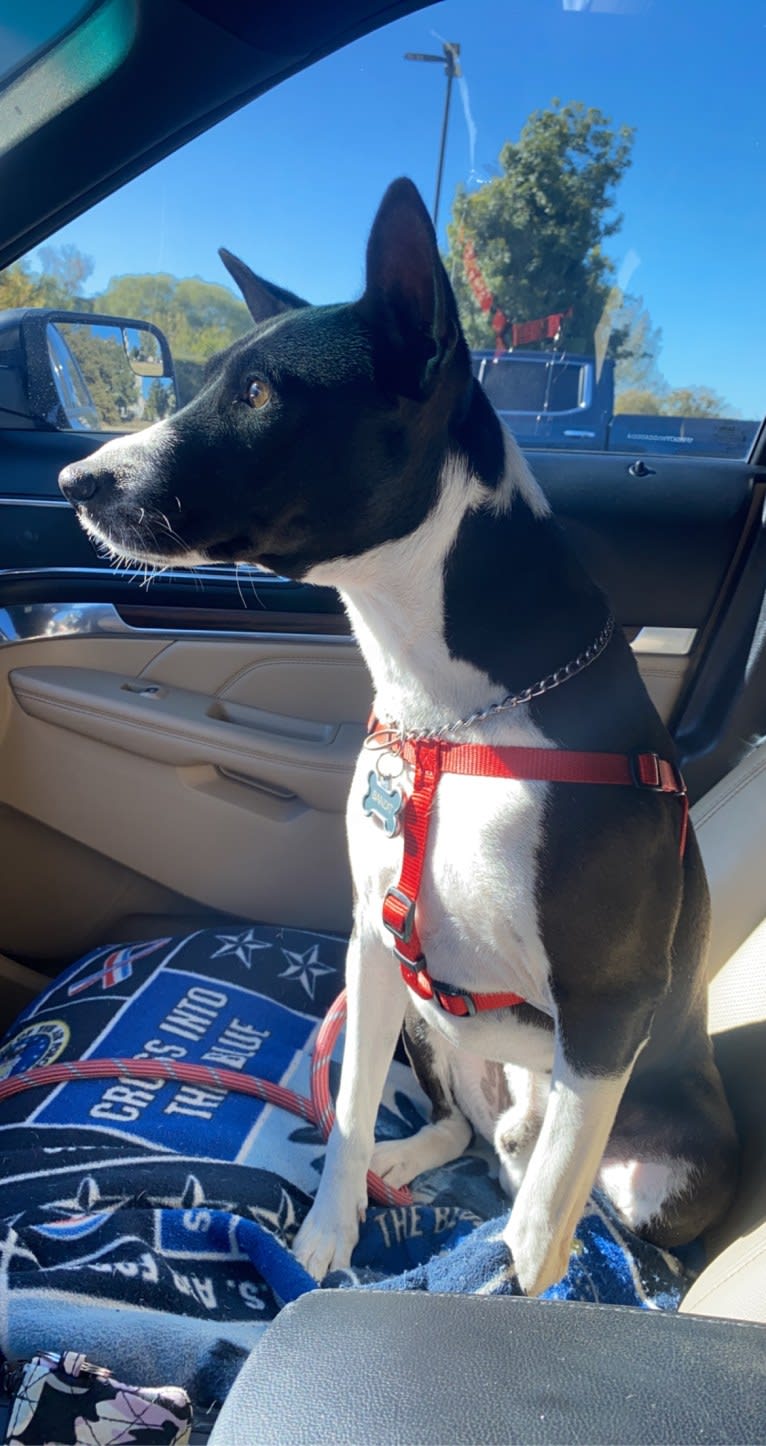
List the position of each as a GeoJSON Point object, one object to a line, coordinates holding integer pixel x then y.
{"type": "Point", "coordinates": [349, 445]}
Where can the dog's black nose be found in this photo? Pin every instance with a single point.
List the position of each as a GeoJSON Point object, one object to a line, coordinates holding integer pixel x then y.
{"type": "Point", "coordinates": [77, 483]}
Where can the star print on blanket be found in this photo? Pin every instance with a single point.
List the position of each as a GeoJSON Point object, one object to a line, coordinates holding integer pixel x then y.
{"type": "Point", "coordinates": [148, 1222]}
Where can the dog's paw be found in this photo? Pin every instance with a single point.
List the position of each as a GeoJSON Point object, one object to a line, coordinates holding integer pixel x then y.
{"type": "Point", "coordinates": [396, 1162]}
{"type": "Point", "coordinates": [539, 1260]}
{"type": "Point", "coordinates": [322, 1245]}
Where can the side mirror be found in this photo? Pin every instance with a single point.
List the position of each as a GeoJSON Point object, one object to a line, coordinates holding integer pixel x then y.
{"type": "Point", "coordinates": [79, 371]}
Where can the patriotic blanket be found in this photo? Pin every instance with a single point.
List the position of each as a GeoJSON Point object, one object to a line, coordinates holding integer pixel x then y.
{"type": "Point", "coordinates": [147, 1223]}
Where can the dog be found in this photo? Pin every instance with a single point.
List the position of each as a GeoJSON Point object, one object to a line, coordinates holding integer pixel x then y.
{"type": "Point", "coordinates": [555, 998]}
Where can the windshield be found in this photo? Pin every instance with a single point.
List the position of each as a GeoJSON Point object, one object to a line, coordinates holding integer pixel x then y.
{"type": "Point", "coordinates": [596, 172]}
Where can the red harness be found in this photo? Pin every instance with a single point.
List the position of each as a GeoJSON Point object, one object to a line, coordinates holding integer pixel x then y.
{"type": "Point", "coordinates": [431, 758]}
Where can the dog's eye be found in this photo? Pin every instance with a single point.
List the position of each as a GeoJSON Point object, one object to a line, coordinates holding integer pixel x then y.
{"type": "Point", "coordinates": [257, 394]}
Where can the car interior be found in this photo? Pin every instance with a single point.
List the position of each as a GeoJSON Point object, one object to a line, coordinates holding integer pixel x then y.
{"type": "Point", "coordinates": [175, 756]}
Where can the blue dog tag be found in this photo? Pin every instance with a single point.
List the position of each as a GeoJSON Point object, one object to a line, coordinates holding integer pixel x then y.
{"type": "Point", "coordinates": [383, 802]}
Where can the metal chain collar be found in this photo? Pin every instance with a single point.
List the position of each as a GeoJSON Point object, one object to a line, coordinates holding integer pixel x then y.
{"type": "Point", "coordinates": [395, 733]}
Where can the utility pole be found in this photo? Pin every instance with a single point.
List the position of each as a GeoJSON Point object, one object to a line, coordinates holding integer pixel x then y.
{"type": "Point", "coordinates": [450, 59]}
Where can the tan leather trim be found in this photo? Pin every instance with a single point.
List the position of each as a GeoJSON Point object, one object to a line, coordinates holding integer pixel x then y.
{"type": "Point", "coordinates": [741, 1057]}
{"type": "Point", "coordinates": [664, 678]}
{"type": "Point", "coordinates": [729, 822]}
{"type": "Point", "coordinates": [321, 682]}
{"type": "Point", "coordinates": [737, 994]}
{"type": "Point", "coordinates": [733, 1285]}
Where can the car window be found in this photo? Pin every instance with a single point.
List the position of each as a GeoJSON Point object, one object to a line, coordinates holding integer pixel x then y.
{"type": "Point", "coordinates": [522, 383]}
{"type": "Point", "coordinates": [596, 170]}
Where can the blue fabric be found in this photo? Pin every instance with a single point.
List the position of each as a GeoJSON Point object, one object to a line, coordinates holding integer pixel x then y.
{"type": "Point", "coordinates": [148, 1223]}
{"type": "Point", "coordinates": [609, 1265]}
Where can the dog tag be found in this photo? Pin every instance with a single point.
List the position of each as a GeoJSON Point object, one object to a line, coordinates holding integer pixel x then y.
{"type": "Point", "coordinates": [383, 802]}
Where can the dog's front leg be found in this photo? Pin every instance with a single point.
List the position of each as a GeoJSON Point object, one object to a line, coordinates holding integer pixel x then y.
{"type": "Point", "coordinates": [376, 999]}
{"type": "Point", "coordinates": [578, 1119]}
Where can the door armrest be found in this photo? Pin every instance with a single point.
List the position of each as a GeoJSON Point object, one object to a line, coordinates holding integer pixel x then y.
{"type": "Point", "coordinates": [399, 1367]}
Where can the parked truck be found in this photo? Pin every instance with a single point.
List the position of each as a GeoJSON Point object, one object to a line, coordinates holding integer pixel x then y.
{"type": "Point", "coordinates": [560, 399]}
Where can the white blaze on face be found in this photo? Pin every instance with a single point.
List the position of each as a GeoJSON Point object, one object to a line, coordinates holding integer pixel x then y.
{"type": "Point", "coordinates": [135, 449]}
{"type": "Point", "coordinates": [145, 528]}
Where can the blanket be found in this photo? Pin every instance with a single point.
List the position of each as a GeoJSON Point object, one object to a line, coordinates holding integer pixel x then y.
{"type": "Point", "coordinates": [148, 1223]}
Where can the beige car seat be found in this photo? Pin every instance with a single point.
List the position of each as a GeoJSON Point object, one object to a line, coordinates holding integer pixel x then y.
{"type": "Point", "coordinates": [731, 827]}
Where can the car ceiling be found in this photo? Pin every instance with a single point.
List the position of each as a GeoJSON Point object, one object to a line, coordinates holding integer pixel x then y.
{"type": "Point", "coordinates": [188, 64]}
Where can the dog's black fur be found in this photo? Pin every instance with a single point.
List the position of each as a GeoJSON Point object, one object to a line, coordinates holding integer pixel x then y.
{"type": "Point", "coordinates": [367, 401]}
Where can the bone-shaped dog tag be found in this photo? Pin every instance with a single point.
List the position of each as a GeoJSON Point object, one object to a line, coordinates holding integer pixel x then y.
{"type": "Point", "coordinates": [383, 802]}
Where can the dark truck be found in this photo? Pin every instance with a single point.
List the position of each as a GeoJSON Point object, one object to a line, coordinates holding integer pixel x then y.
{"type": "Point", "coordinates": [560, 399]}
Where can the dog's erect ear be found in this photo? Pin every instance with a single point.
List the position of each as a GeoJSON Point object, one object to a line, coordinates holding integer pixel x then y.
{"type": "Point", "coordinates": [262, 298]}
{"type": "Point", "coordinates": [408, 299]}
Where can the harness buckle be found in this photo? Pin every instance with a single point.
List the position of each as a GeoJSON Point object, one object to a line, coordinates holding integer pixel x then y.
{"type": "Point", "coordinates": [400, 928]}
{"type": "Point", "coordinates": [447, 991]}
{"type": "Point", "coordinates": [650, 772]}
{"type": "Point", "coordinates": [645, 771]}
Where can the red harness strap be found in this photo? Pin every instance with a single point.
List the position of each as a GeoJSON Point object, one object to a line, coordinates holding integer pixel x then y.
{"type": "Point", "coordinates": [432, 758]}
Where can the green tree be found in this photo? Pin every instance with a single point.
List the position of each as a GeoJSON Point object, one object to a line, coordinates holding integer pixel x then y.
{"type": "Point", "coordinates": [19, 287]}
{"type": "Point", "coordinates": [64, 271]}
{"type": "Point", "coordinates": [147, 298]}
{"type": "Point", "coordinates": [639, 400]}
{"type": "Point", "coordinates": [108, 374]}
{"type": "Point", "coordinates": [539, 227]}
{"type": "Point", "coordinates": [197, 317]}
{"type": "Point", "coordinates": [661, 401]}
{"type": "Point", "coordinates": [67, 269]}
{"type": "Point", "coordinates": [160, 400]}
{"type": "Point", "coordinates": [696, 402]}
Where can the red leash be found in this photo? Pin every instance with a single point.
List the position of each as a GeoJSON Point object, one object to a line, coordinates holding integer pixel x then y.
{"type": "Point", "coordinates": [318, 1110]}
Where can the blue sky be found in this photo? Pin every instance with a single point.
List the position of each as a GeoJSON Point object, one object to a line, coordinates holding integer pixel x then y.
{"type": "Point", "coordinates": [291, 183]}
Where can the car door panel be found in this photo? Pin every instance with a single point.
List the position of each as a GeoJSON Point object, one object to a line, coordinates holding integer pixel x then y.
{"type": "Point", "coordinates": [218, 837]}
{"type": "Point", "coordinates": [61, 898]}
{"type": "Point", "coordinates": [37, 527]}
{"type": "Point", "coordinates": [292, 757]}
{"type": "Point", "coordinates": [41, 532]}
{"type": "Point", "coordinates": [225, 787]}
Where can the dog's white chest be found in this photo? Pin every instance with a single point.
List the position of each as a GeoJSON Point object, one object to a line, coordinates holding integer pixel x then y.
{"type": "Point", "coordinates": [476, 909]}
